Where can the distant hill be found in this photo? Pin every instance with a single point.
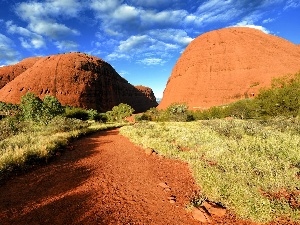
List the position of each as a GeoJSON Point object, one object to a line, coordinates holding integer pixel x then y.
{"type": "Point", "coordinates": [75, 79]}
{"type": "Point", "coordinates": [229, 64]}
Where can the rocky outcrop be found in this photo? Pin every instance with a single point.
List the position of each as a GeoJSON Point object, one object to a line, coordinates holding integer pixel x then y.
{"type": "Point", "coordinates": [77, 79]}
{"type": "Point", "coordinates": [144, 91]}
{"type": "Point", "coordinates": [229, 64]}
{"type": "Point", "coordinates": [8, 73]}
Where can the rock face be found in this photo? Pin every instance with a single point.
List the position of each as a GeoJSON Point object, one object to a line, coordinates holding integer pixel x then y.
{"type": "Point", "coordinates": [8, 73]}
{"type": "Point", "coordinates": [145, 91]}
{"type": "Point", "coordinates": [80, 80]}
{"type": "Point", "coordinates": [229, 64]}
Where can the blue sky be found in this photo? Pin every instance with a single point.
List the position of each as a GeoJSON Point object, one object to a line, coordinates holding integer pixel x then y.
{"type": "Point", "coordinates": [141, 39]}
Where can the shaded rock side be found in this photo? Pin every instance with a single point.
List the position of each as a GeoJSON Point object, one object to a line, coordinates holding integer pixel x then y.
{"type": "Point", "coordinates": [227, 65]}
{"type": "Point", "coordinates": [79, 80]}
{"type": "Point", "coordinates": [145, 91]}
{"type": "Point", "coordinates": [8, 73]}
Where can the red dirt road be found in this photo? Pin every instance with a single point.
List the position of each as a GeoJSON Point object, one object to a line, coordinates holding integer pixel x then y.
{"type": "Point", "coordinates": [102, 179]}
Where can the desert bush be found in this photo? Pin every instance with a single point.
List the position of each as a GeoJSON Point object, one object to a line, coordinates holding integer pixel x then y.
{"type": "Point", "coordinates": [84, 114]}
{"type": "Point", "coordinates": [76, 113]}
{"type": "Point", "coordinates": [34, 109]}
{"type": "Point", "coordinates": [242, 109]}
{"type": "Point", "coordinates": [282, 99]}
{"type": "Point", "coordinates": [64, 124]}
{"type": "Point", "coordinates": [211, 113]}
{"type": "Point", "coordinates": [51, 108]}
{"type": "Point", "coordinates": [119, 113]}
{"type": "Point", "coordinates": [92, 114]}
{"type": "Point", "coordinates": [143, 116]}
{"type": "Point", "coordinates": [31, 107]}
{"type": "Point", "coordinates": [11, 126]}
{"type": "Point", "coordinates": [8, 109]}
{"type": "Point", "coordinates": [176, 112]}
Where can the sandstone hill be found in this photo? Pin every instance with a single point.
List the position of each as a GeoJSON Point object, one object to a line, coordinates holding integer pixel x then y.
{"type": "Point", "coordinates": [229, 64]}
{"type": "Point", "coordinates": [80, 80]}
{"type": "Point", "coordinates": [8, 73]}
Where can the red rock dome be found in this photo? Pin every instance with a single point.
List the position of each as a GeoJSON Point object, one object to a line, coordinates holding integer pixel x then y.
{"type": "Point", "coordinates": [77, 79]}
{"type": "Point", "coordinates": [229, 64]}
{"type": "Point", "coordinates": [8, 73]}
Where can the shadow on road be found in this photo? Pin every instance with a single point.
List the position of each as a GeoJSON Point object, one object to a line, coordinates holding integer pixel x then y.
{"type": "Point", "coordinates": [44, 195]}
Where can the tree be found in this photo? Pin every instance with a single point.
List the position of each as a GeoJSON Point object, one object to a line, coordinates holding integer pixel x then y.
{"type": "Point", "coordinates": [51, 107]}
{"type": "Point", "coordinates": [177, 112]}
{"type": "Point", "coordinates": [34, 109]}
{"type": "Point", "coordinates": [119, 112]}
{"type": "Point", "coordinates": [31, 107]}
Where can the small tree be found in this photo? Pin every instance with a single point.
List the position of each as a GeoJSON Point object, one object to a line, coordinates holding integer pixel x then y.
{"type": "Point", "coordinates": [119, 112]}
{"type": "Point", "coordinates": [34, 109]}
{"type": "Point", "coordinates": [51, 108]}
{"type": "Point", "coordinates": [283, 98]}
{"type": "Point", "coordinates": [31, 107]}
{"type": "Point", "coordinates": [177, 112]}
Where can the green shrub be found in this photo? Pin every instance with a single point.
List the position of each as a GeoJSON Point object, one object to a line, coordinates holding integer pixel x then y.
{"type": "Point", "coordinates": [64, 124]}
{"type": "Point", "coordinates": [10, 126]}
{"type": "Point", "coordinates": [7, 109]}
{"type": "Point", "coordinates": [215, 112]}
{"type": "Point", "coordinates": [101, 117]}
{"type": "Point", "coordinates": [51, 108]}
{"type": "Point", "coordinates": [243, 109]}
{"type": "Point", "coordinates": [77, 113]}
{"type": "Point", "coordinates": [282, 99]}
{"type": "Point", "coordinates": [119, 113]}
{"type": "Point", "coordinates": [34, 109]}
{"type": "Point", "coordinates": [31, 107]}
{"type": "Point", "coordinates": [176, 112]}
{"type": "Point", "coordinates": [92, 114]}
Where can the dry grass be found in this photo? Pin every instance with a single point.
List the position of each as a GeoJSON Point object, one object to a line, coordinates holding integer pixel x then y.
{"type": "Point", "coordinates": [234, 162]}
{"type": "Point", "coordinates": [39, 142]}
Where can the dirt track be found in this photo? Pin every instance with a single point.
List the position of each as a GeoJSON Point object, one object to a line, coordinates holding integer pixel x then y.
{"type": "Point", "coordinates": [102, 179]}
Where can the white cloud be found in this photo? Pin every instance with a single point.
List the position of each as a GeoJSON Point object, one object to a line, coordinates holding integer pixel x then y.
{"type": "Point", "coordinates": [66, 45]}
{"type": "Point", "coordinates": [65, 7]}
{"type": "Point", "coordinates": [125, 12]}
{"type": "Point", "coordinates": [8, 55]}
{"type": "Point", "coordinates": [105, 5]}
{"type": "Point", "coordinates": [116, 55]}
{"type": "Point", "coordinates": [152, 61]}
{"type": "Point", "coordinates": [163, 17]}
{"type": "Point", "coordinates": [49, 9]}
{"type": "Point", "coordinates": [53, 30]}
{"type": "Point", "coordinates": [42, 16]}
{"type": "Point", "coordinates": [292, 4]}
{"type": "Point", "coordinates": [146, 30]}
{"type": "Point", "coordinates": [123, 73]}
{"type": "Point", "coordinates": [268, 20]}
{"type": "Point", "coordinates": [177, 36]}
{"type": "Point", "coordinates": [246, 24]}
{"type": "Point", "coordinates": [35, 41]}
{"type": "Point", "coordinates": [153, 3]}
{"type": "Point", "coordinates": [133, 42]}
{"type": "Point", "coordinates": [215, 10]}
